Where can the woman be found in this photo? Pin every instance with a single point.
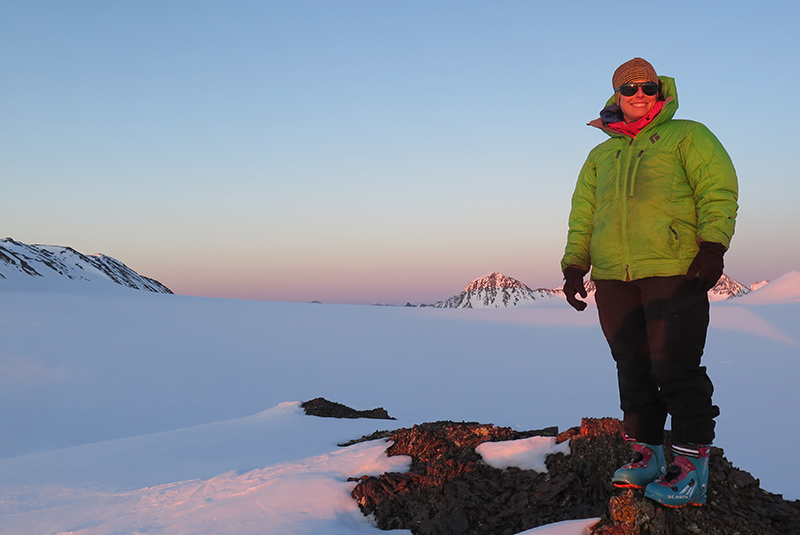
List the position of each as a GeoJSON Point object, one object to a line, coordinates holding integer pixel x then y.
{"type": "Point", "coordinates": [652, 215]}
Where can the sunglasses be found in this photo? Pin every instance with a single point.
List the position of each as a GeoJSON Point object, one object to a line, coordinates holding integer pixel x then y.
{"type": "Point", "coordinates": [648, 88]}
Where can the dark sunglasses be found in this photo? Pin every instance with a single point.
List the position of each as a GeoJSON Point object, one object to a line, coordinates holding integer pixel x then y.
{"type": "Point", "coordinates": [648, 88]}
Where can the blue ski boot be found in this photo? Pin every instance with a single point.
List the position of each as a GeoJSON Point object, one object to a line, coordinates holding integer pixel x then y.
{"type": "Point", "coordinates": [686, 481]}
{"type": "Point", "coordinates": [647, 465]}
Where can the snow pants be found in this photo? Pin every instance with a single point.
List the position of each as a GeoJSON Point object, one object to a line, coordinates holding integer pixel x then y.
{"type": "Point", "coordinates": [656, 329]}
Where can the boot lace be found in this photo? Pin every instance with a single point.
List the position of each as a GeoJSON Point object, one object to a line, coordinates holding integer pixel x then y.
{"type": "Point", "coordinates": [673, 472]}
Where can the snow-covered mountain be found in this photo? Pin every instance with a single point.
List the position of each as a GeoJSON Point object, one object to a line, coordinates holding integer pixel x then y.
{"type": "Point", "coordinates": [758, 285]}
{"type": "Point", "coordinates": [727, 288]}
{"type": "Point", "coordinates": [54, 265]}
{"type": "Point", "coordinates": [496, 290]}
{"type": "Point", "coordinates": [22, 266]}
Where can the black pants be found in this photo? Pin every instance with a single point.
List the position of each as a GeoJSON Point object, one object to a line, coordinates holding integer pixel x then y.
{"type": "Point", "coordinates": [656, 328]}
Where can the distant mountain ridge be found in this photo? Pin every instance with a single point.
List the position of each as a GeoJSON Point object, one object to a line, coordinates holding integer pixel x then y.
{"type": "Point", "coordinates": [727, 288]}
{"type": "Point", "coordinates": [57, 264]}
{"type": "Point", "coordinates": [496, 290]}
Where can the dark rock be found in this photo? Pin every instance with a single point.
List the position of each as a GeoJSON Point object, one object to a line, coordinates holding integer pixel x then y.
{"type": "Point", "coordinates": [450, 490]}
{"type": "Point", "coordinates": [736, 505]}
{"type": "Point", "coordinates": [330, 409]}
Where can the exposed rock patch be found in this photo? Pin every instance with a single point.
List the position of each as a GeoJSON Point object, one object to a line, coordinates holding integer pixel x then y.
{"type": "Point", "coordinates": [330, 409]}
{"type": "Point", "coordinates": [450, 490]}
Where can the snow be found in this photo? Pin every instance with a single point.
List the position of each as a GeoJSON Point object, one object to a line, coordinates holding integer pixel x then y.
{"type": "Point", "coordinates": [786, 289]}
{"type": "Point", "coordinates": [528, 454]}
{"type": "Point", "coordinates": [55, 268]}
{"type": "Point", "coordinates": [133, 412]}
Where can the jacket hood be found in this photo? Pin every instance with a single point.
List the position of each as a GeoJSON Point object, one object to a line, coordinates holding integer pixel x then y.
{"type": "Point", "coordinates": [668, 112]}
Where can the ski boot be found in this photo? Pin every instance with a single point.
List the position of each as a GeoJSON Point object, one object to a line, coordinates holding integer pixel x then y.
{"type": "Point", "coordinates": [647, 465]}
{"type": "Point", "coordinates": [686, 481]}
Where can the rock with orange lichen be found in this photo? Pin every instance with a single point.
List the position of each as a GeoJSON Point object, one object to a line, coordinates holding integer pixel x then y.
{"type": "Point", "coordinates": [450, 490]}
{"type": "Point", "coordinates": [735, 505]}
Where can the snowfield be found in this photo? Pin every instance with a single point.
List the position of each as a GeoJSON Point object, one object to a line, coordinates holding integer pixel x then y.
{"type": "Point", "coordinates": [131, 412]}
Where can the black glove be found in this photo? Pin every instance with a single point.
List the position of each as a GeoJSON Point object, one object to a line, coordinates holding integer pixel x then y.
{"type": "Point", "coordinates": [573, 284]}
{"type": "Point", "coordinates": [706, 268]}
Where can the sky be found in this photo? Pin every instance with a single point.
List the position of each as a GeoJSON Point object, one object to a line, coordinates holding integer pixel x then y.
{"type": "Point", "coordinates": [365, 151]}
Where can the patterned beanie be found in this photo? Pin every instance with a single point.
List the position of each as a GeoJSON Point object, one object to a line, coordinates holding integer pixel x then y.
{"type": "Point", "coordinates": [630, 71]}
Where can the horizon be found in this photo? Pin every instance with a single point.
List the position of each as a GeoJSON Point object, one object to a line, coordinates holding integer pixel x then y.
{"type": "Point", "coordinates": [67, 263]}
{"type": "Point", "coordinates": [71, 265]}
{"type": "Point", "coordinates": [361, 152]}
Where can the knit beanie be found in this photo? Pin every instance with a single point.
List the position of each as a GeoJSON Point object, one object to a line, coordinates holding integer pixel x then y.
{"type": "Point", "coordinates": [630, 71]}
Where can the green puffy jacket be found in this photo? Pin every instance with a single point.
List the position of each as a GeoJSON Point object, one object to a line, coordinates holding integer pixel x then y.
{"type": "Point", "coordinates": [642, 205]}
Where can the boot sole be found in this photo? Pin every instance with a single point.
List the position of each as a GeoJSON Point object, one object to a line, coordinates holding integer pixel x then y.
{"type": "Point", "coordinates": [672, 506]}
{"type": "Point", "coordinates": [693, 504]}
{"type": "Point", "coordinates": [626, 485]}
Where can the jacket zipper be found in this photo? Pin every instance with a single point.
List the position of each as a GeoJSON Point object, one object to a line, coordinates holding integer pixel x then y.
{"type": "Point", "coordinates": [624, 198]}
{"type": "Point", "coordinates": [626, 260]}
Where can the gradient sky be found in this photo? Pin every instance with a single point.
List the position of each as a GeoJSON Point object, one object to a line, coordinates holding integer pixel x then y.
{"type": "Point", "coordinates": [359, 151]}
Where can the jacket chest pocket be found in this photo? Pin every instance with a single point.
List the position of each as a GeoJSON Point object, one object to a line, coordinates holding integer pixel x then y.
{"type": "Point", "coordinates": [609, 170]}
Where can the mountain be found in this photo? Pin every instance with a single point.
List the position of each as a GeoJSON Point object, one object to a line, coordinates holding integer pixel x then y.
{"type": "Point", "coordinates": [495, 290]}
{"type": "Point", "coordinates": [784, 289]}
{"type": "Point", "coordinates": [758, 285]}
{"type": "Point", "coordinates": [727, 288]}
{"type": "Point", "coordinates": [54, 266]}
{"type": "Point", "coordinates": [57, 266]}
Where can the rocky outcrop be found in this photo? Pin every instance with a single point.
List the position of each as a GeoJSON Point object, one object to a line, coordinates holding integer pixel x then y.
{"type": "Point", "coordinates": [450, 490]}
{"type": "Point", "coordinates": [330, 409]}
